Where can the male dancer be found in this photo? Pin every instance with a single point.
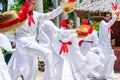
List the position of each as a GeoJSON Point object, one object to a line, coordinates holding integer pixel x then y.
{"type": "Point", "coordinates": [105, 44]}
{"type": "Point", "coordinates": [28, 48]}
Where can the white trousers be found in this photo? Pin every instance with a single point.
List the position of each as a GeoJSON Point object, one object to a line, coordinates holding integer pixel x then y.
{"type": "Point", "coordinates": [53, 62]}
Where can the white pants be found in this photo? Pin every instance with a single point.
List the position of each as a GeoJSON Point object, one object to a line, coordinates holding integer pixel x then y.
{"type": "Point", "coordinates": [29, 47]}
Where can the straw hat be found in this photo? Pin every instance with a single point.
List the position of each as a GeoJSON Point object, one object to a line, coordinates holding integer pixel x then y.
{"type": "Point", "coordinates": [10, 22]}
{"type": "Point", "coordinates": [84, 30]}
{"type": "Point", "coordinates": [69, 6]}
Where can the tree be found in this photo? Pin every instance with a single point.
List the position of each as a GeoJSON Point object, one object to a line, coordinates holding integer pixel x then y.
{"type": "Point", "coordinates": [47, 4]}
{"type": "Point", "coordinates": [4, 3]}
{"type": "Point", "coordinates": [18, 5]}
{"type": "Point", "coordinates": [39, 6]}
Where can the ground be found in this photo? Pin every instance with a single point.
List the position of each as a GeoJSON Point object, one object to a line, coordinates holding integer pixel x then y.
{"type": "Point", "coordinates": [117, 76]}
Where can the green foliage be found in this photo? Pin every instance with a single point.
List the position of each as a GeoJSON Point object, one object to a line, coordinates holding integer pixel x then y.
{"type": "Point", "coordinates": [6, 54]}
{"type": "Point", "coordinates": [96, 25]}
{"type": "Point", "coordinates": [18, 5]}
{"type": "Point", "coordinates": [80, 1]}
{"type": "Point", "coordinates": [71, 15]}
{"type": "Point", "coordinates": [47, 4]}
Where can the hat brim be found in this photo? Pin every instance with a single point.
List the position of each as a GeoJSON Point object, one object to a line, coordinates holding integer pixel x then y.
{"type": "Point", "coordinates": [82, 36]}
{"type": "Point", "coordinates": [68, 7]}
{"type": "Point", "coordinates": [82, 33]}
{"type": "Point", "coordinates": [9, 17]}
{"type": "Point", "coordinates": [12, 27]}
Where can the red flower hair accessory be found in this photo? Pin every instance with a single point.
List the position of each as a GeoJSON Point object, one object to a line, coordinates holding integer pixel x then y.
{"type": "Point", "coordinates": [63, 23]}
{"type": "Point", "coordinates": [85, 22]}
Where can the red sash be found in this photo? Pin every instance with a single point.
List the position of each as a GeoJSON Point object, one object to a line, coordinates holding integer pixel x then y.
{"type": "Point", "coordinates": [81, 41]}
{"type": "Point", "coordinates": [64, 47]}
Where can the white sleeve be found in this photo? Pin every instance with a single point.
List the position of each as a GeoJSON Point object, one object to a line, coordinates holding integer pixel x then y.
{"type": "Point", "coordinates": [67, 32]}
{"type": "Point", "coordinates": [51, 15]}
{"type": "Point", "coordinates": [53, 27]}
{"type": "Point", "coordinates": [111, 22]}
{"type": "Point", "coordinates": [43, 38]}
{"type": "Point", "coordinates": [5, 43]}
{"type": "Point", "coordinates": [95, 38]}
{"type": "Point", "coordinates": [10, 35]}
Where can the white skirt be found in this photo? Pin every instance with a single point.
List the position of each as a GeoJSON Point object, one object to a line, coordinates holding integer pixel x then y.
{"type": "Point", "coordinates": [4, 75]}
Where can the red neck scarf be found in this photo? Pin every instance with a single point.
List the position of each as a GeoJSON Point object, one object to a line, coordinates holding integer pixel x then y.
{"type": "Point", "coordinates": [24, 14]}
{"type": "Point", "coordinates": [30, 18]}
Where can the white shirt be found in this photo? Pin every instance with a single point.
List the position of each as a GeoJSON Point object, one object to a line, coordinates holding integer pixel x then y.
{"type": "Point", "coordinates": [105, 35]}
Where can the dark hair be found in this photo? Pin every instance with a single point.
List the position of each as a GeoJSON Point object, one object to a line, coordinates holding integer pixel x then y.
{"type": "Point", "coordinates": [29, 0]}
{"type": "Point", "coordinates": [68, 21]}
{"type": "Point", "coordinates": [105, 13]}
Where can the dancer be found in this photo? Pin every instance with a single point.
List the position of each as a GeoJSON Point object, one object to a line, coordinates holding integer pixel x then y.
{"type": "Point", "coordinates": [72, 56]}
{"type": "Point", "coordinates": [4, 43]}
{"type": "Point", "coordinates": [29, 49]}
{"type": "Point", "coordinates": [47, 32]}
{"type": "Point", "coordinates": [86, 43]}
{"type": "Point", "coordinates": [105, 44]}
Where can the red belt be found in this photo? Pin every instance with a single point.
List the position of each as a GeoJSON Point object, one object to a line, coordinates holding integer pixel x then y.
{"type": "Point", "coordinates": [81, 41]}
{"type": "Point", "coordinates": [64, 47]}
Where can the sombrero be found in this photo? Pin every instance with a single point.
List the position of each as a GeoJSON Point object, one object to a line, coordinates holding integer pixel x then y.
{"type": "Point", "coordinates": [10, 22]}
{"type": "Point", "coordinates": [84, 30]}
{"type": "Point", "coordinates": [69, 6]}
{"type": "Point", "coordinates": [14, 20]}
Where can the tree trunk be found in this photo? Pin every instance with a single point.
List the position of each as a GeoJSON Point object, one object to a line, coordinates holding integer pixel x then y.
{"type": "Point", "coordinates": [57, 19]}
{"type": "Point", "coordinates": [4, 3]}
{"type": "Point", "coordinates": [64, 15]}
{"type": "Point", "coordinates": [9, 3]}
{"type": "Point", "coordinates": [76, 18]}
{"type": "Point", "coordinates": [39, 6]}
